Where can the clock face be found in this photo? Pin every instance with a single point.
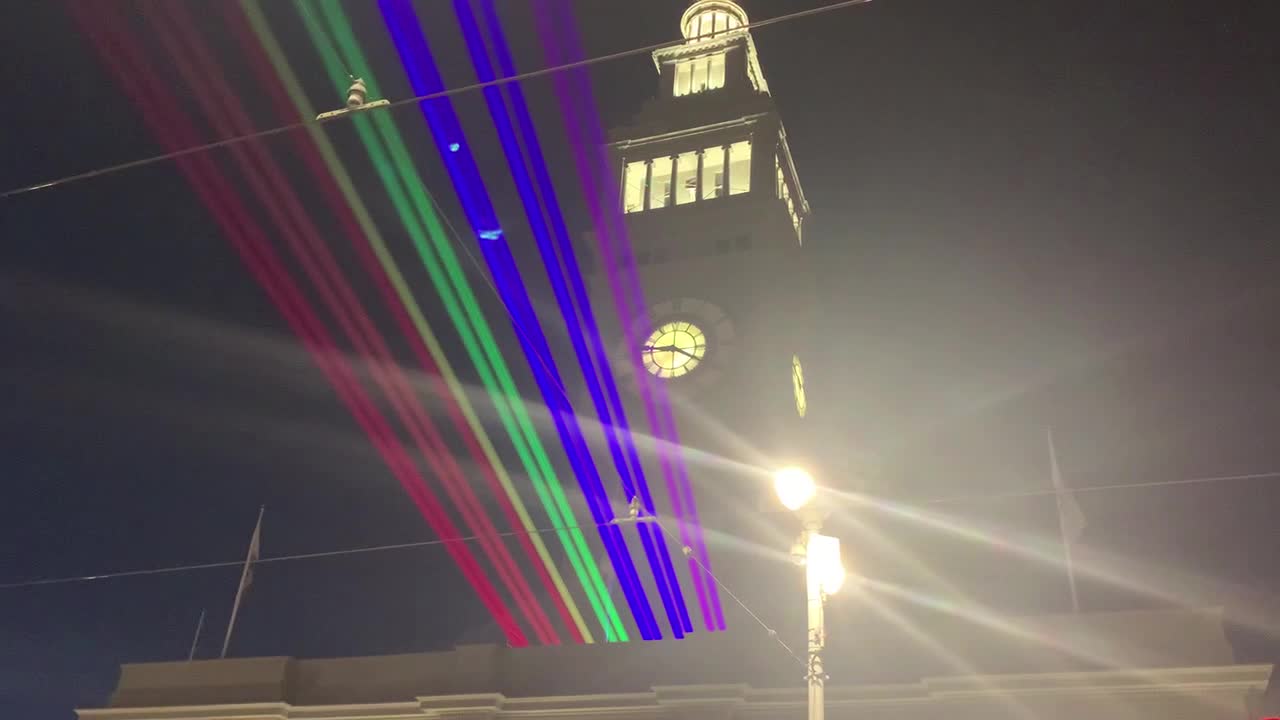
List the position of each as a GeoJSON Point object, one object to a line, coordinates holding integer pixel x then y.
{"type": "Point", "coordinates": [674, 349]}
{"type": "Point", "coordinates": [687, 342]}
{"type": "Point", "coordinates": [797, 384]}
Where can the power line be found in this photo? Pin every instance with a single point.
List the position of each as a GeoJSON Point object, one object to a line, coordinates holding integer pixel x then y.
{"type": "Point", "coordinates": [226, 142]}
{"type": "Point", "coordinates": [1098, 488]}
{"type": "Point", "coordinates": [514, 533]}
{"type": "Point", "coordinates": [688, 552]}
{"type": "Point", "coordinates": [277, 558]}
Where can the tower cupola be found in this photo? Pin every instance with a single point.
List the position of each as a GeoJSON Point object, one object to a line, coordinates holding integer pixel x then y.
{"type": "Point", "coordinates": [711, 17]}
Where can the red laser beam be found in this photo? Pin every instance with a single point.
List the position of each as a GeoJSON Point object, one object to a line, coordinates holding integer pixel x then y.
{"type": "Point", "coordinates": [269, 182]}
{"type": "Point", "coordinates": [174, 130]}
{"type": "Point", "coordinates": [334, 199]}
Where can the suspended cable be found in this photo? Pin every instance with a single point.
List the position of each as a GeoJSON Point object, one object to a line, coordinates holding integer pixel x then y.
{"type": "Point", "coordinates": [202, 147]}
{"type": "Point", "coordinates": [643, 520]}
{"type": "Point", "coordinates": [653, 519]}
{"type": "Point", "coordinates": [1099, 488]}
{"type": "Point", "coordinates": [512, 533]}
{"type": "Point", "coordinates": [271, 559]}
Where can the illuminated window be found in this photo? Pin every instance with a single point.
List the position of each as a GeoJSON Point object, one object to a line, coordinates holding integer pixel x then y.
{"type": "Point", "coordinates": [699, 75]}
{"type": "Point", "coordinates": [699, 82]}
{"type": "Point", "coordinates": [710, 23]}
{"type": "Point", "coordinates": [684, 74]}
{"type": "Point", "coordinates": [686, 178]}
{"type": "Point", "coordinates": [674, 349]}
{"type": "Point", "coordinates": [633, 187]}
{"type": "Point", "coordinates": [712, 173]}
{"type": "Point", "coordinates": [740, 167]}
{"type": "Point", "coordinates": [660, 183]}
{"type": "Point", "coordinates": [715, 75]}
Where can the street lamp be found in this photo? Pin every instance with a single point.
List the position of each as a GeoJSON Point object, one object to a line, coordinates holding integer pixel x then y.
{"type": "Point", "coordinates": [795, 487]}
{"type": "Point", "coordinates": [824, 572]}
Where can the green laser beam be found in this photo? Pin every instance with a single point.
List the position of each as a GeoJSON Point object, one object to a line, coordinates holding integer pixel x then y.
{"type": "Point", "coordinates": [421, 220]}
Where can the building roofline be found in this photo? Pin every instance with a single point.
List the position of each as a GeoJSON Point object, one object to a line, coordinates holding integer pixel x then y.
{"type": "Point", "coordinates": [625, 143]}
{"type": "Point", "coordinates": [1177, 681]}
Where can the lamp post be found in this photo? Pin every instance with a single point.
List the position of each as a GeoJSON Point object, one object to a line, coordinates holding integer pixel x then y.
{"type": "Point", "coordinates": [824, 572]}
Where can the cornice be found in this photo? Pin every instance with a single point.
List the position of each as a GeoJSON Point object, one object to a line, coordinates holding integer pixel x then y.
{"type": "Point", "coordinates": [743, 698]}
{"type": "Point", "coordinates": [740, 121]}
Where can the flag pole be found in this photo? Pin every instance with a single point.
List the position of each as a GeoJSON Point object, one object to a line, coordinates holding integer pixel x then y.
{"type": "Point", "coordinates": [195, 641]}
{"type": "Point", "coordinates": [245, 576]}
{"type": "Point", "coordinates": [1060, 490]}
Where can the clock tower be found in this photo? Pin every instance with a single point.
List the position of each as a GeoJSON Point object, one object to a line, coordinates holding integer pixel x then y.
{"type": "Point", "coordinates": [715, 216]}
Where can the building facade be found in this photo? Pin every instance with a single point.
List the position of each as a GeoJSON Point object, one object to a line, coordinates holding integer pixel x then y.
{"type": "Point", "coordinates": [714, 217]}
{"type": "Point", "coordinates": [1151, 665]}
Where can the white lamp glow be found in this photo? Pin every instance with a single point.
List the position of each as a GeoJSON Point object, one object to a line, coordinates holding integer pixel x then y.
{"type": "Point", "coordinates": [794, 487]}
{"type": "Point", "coordinates": [823, 563]}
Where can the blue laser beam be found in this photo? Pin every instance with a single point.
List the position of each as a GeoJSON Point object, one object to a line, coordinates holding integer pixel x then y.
{"type": "Point", "coordinates": [424, 75]}
{"type": "Point", "coordinates": [555, 247]}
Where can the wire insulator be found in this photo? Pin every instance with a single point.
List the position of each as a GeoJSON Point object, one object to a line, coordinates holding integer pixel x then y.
{"type": "Point", "coordinates": [357, 94]}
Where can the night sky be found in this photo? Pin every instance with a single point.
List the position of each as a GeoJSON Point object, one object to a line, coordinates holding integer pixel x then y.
{"type": "Point", "coordinates": [1026, 215]}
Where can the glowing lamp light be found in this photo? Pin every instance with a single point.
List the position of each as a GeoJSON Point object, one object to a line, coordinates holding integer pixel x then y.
{"type": "Point", "coordinates": [823, 564]}
{"type": "Point", "coordinates": [794, 487]}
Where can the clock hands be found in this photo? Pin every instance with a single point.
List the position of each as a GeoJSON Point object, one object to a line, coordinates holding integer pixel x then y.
{"type": "Point", "coordinates": [669, 348]}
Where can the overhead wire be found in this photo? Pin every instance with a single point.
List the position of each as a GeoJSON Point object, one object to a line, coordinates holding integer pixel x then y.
{"type": "Point", "coordinates": [769, 630]}
{"type": "Point", "coordinates": [1099, 488]}
{"type": "Point", "coordinates": [274, 558]}
{"type": "Point", "coordinates": [202, 147]}
{"type": "Point", "coordinates": [548, 530]}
